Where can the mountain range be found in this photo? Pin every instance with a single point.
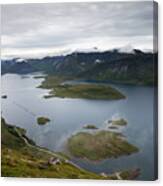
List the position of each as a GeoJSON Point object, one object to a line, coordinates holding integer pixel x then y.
{"type": "Point", "coordinates": [137, 67]}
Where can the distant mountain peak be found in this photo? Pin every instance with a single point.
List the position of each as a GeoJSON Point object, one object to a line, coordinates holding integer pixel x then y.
{"type": "Point", "coordinates": [137, 51]}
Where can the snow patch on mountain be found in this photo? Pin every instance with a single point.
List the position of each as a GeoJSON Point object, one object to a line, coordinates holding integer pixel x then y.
{"type": "Point", "coordinates": [20, 60]}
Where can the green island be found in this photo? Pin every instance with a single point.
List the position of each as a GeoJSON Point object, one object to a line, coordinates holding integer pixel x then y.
{"type": "Point", "coordinates": [42, 120]}
{"type": "Point", "coordinates": [99, 145]}
{"type": "Point", "coordinates": [90, 126]}
{"type": "Point", "coordinates": [22, 158]}
{"type": "Point", "coordinates": [120, 122]}
{"type": "Point", "coordinates": [86, 91]}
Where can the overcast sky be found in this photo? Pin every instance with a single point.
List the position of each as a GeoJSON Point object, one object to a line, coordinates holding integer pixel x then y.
{"type": "Point", "coordinates": [36, 30]}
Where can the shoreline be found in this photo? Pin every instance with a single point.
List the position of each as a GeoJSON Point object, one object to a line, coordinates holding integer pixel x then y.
{"type": "Point", "coordinates": [46, 164]}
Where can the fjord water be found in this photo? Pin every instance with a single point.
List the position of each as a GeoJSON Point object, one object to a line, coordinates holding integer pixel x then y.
{"type": "Point", "coordinates": [25, 103]}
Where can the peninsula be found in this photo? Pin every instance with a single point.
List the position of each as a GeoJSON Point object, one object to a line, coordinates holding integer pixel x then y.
{"type": "Point", "coordinates": [86, 91]}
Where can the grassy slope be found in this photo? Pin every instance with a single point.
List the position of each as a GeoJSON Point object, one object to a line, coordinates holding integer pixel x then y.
{"type": "Point", "coordinates": [87, 91]}
{"type": "Point", "coordinates": [99, 145]}
{"type": "Point", "coordinates": [22, 160]}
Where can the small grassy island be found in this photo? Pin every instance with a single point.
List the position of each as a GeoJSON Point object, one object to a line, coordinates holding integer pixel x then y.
{"type": "Point", "coordinates": [99, 145]}
{"type": "Point", "coordinates": [120, 122]}
{"type": "Point", "coordinates": [42, 120]}
{"type": "Point", "coordinates": [87, 91]}
{"type": "Point", "coordinates": [90, 126]}
{"type": "Point", "coordinates": [20, 157]}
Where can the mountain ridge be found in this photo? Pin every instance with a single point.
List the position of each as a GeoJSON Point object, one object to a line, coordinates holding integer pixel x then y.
{"type": "Point", "coordinates": [137, 67]}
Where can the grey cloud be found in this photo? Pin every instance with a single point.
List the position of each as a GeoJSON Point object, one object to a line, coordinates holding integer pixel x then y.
{"type": "Point", "coordinates": [61, 24]}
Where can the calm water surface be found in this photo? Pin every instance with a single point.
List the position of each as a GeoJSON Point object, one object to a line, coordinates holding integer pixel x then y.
{"type": "Point", "coordinates": [25, 103]}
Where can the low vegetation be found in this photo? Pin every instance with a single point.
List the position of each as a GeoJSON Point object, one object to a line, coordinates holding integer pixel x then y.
{"type": "Point", "coordinates": [87, 91]}
{"type": "Point", "coordinates": [99, 145]}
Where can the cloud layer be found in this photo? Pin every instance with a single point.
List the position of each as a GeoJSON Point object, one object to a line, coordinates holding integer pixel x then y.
{"type": "Point", "coordinates": [32, 30]}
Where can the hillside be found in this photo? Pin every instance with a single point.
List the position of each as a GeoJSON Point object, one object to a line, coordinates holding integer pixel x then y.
{"type": "Point", "coordinates": [132, 69]}
{"type": "Point", "coordinates": [20, 157]}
